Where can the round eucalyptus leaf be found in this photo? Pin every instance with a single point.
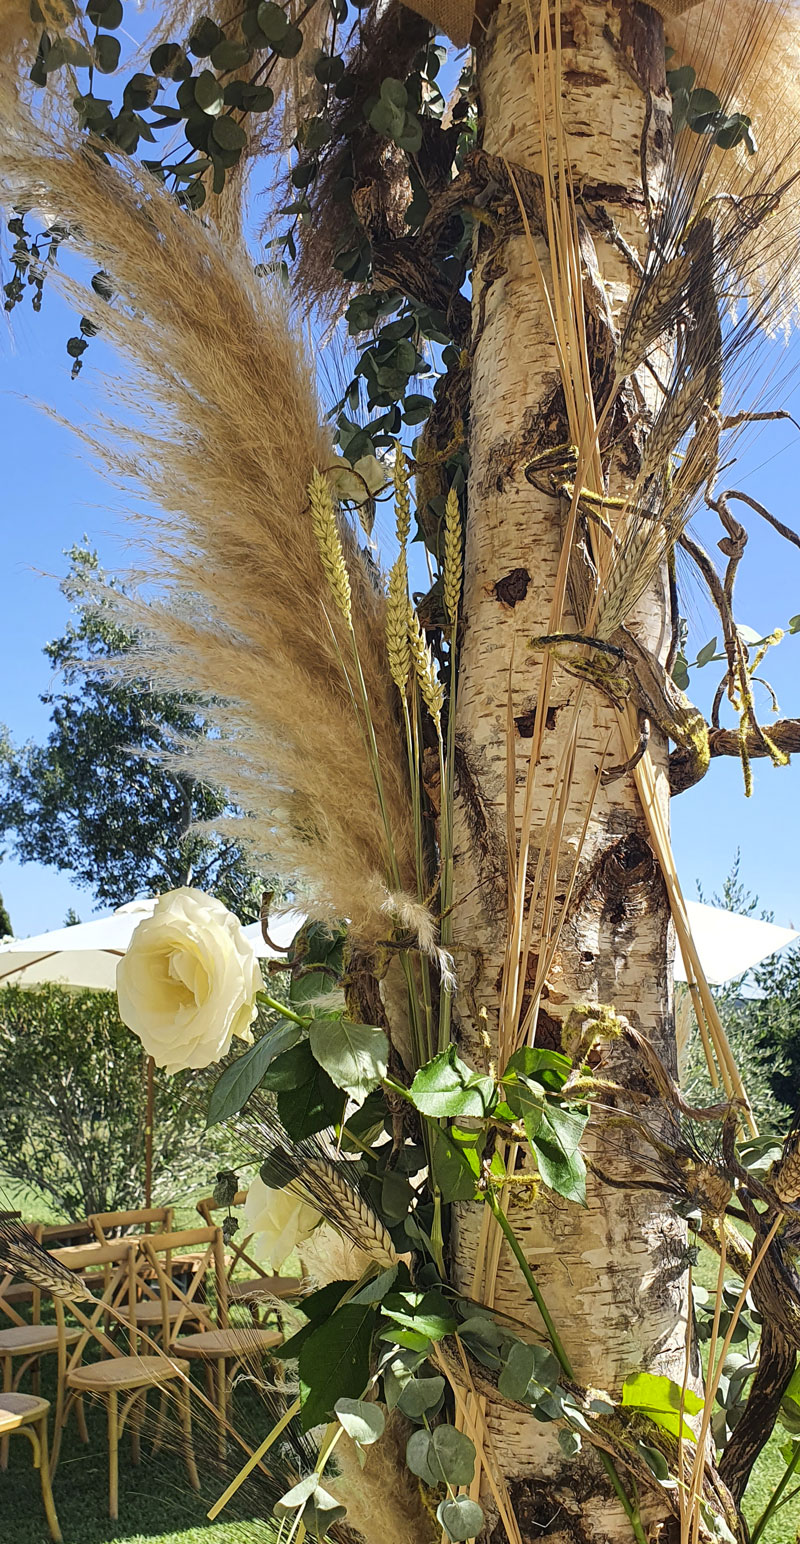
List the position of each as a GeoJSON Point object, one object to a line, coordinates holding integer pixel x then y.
{"type": "Point", "coordinates": [451, 1457]}
{"type": "Point", "coordinates": [290, 44]}
{"type": "Point", "coordinates": [208, 93]}
{"type": "Point", "coordinates": [460, 1517]}
{"type": "Point", "coordinates": [394, 91]}
{"type": "Point", "coordinates": [363, 1422]}
{"type": "Point", "coordinates": [231, 54]}
{"type": "Point", "coordinates": [418, 1450]}
{"type": "Point", "coordinates": [419, 1396]}
{"type": "Point", "coordinates": [229, 134]}
{"type": "Point", "coordinates": [272, 21]}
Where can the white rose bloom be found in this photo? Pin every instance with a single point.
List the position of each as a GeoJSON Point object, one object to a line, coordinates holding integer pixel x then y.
{"type": "Point", "coordinates": [188, 982]}
{"type": "Point", "coordinates": [280, 1221]}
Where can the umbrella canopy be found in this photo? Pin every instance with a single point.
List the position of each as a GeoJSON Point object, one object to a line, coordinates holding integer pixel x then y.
{"type": "Point", "coordinates": [728, 943]}
{"type": "Point", "coordinates": [86, 955]}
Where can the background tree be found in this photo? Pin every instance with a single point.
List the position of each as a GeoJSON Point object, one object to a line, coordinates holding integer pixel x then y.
{"type": "Point", "coordinates": [6, 930]}
{"type": "Point", "coordinates": [483, 780]}
{"type": "Point", "coordinates": [73, 1107]}
{"type": "Point", "coordinates": [101, 797]}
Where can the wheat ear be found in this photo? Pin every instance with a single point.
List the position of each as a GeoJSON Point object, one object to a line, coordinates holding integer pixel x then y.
{"type": "Point", "coordinates": [424, 669]}
{"type": "Point", "coordinates": [329, 542]}
{"type": "Point", "coordinates": [397, 644]}
{"type": "Point", "coordinates": [355, 1218]}
{"type": "Point", "coordinates": [402, 499]}
{"type": "Point", "coordinates": [453, 563]}
{"type": "Point", "coordinates": [22, 1255]}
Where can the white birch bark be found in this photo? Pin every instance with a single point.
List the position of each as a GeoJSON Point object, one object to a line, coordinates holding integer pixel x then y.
{"type": "Point", "coordinates": [611, 1274]}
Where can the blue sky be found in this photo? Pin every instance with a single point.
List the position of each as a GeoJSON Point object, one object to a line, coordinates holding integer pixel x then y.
{"type": "Point", "coordinates": [52, 497]}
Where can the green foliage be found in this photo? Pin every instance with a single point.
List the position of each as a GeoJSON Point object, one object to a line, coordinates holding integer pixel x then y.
{"type": "Point", "coordinates": [6, 930]}
{"type": "Point", "coordinates": [763, 1026]}
{"type": "Point", "coordinates": [73, 1105]}
{"type": "Point", "coordinates": [97, 798]}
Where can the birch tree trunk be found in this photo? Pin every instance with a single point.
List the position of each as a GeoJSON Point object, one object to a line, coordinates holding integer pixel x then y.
{"type": "Point", "coordinates": [611, 1274]}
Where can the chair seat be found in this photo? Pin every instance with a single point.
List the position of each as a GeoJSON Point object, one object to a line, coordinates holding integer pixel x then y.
{"type": "Point", "coordinates": [264, 1287]}
{"type": "Point", "coordinates": [126, 1372]}
{"type": "Point", "coordinates": [234, 1342]}
{"type": "Point", "coordinates": [20, 1409]}
{"type": "Point", "coordinates": [149, 1312]}
{"type": "Point", "coordinates": [27, 1339]}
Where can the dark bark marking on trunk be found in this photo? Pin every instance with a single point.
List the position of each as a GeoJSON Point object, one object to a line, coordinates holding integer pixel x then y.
{"type": "Point", "coordinates": [484, 827]}
{"type": "Point", "coordinates": [513, 587]}
{"type": "Point", "coordinates": [545, 1509]}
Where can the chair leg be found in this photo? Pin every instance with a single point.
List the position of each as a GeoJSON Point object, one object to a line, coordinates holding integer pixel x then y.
{"type": "Point", "coordinates": [184, 1402]}
{"type": "Point", "coordinates": [80, 1416]}
{"type": "Point", "coordinates": [137, 1416]}
{"type": "Point", "coordinates": [8, 1378]}
{"type": "Point", "coordinates": [113, 1456]}
{"type": "Point", "coordinates": [47, 1492]}
{"type": "Point", "coordinates": [161, 1424]}
{"type": "Point", "coordinates": [222, 1406]}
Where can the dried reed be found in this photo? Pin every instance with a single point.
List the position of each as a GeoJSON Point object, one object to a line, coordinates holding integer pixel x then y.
{"type": "Point", "coordinates": [217, 426]}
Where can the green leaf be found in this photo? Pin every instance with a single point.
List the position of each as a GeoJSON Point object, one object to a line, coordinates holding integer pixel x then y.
{"type": "Point", "coordinates": [272, 21]}
{"type": "Point", "coordinates": [67, 51]}
{"type": "Point", "coordinates": [317, 1307]}
{"type": "Point", "coordinates": [419, 1396]}
{"type": "Point", "coordinates": [105, 13]}
{"type": "Point", "coordinates": [375, 1291]}
{"type": "Point", "coordinates": [556, 1147]}
{"type": "Point", "coordinates": [314, 1106]}
{"type": "Point", "coordinates": [550, 1068]}
{"type": "Point", "coordinates": [427, 1313]}
{"type": "Point", "coordinates": [703, 103]}
{"type": "Point", "coordinates": [452, 1172]}
{"type": "Point", "coordinates": [680, 673]}
{"type": "Point", "coordinates": [164, 58]}
{"type": "Point", "coordinates": [318, 1508]}
{"type": "Point", "coordinates": [228, 133]}
{"type": "Point", "coordinates": [365, 1423]}
{"type": "Point", "coordinates": [334, 1362]}
{"type": "Point", "coordinates": [234, 1087]}
{"type": "Point", "coordinates": [441, 1457]}
{"type": "Point", "coordinates": [416, 407]}
{"type": "Point", "coordinates": [706, 653]}
{"type": "Point", "coordinates": [660, 1399]}
{"type": "Point", "coordinates": [394, 92]}
{"type": "Point", "coordinates": [447, 1086]}
{"type": "Point", "coordinates": [794, 624]}
{"type": "Point", "coordinates": [230, 54]}
{"type": "Point", "coordinates": [294, 1067]}
{"type": "Point", "coordinates": [682, 79]}
{"type": "Point", "coordinates": [290, 44]}
{"type": "Point", "coordinates": [106, 53]}
{"type": "Point", "coordinates": [205, 35]}
{"type": "Point", "coordinates": [517, 1372]}
{"type": "Point", "coordinates": [460, 1517]}
{"type": "Point", "coordinates": [355, 1056]}
{"type": "Point", "coordinates": [386, 119]}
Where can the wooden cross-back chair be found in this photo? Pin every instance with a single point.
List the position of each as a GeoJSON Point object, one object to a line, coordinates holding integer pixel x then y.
{"type": "Point", "coordinates": [221, 1345]}
{"type": "Point", "coordinates": [125, 1376]}
{"type": "Point", "coordinates": [142, 1219]}
{"type": "Point", "coordinates": [258, 1291]}
{"type": "Point", "coordinates": [24, 1343]}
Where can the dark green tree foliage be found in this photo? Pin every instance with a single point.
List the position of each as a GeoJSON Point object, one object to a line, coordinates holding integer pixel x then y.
{"type": "Point", "coordinates": [6, 930]}
{"type": "Point", "coordinates": [73, 1089]}
{"type": "Point", "coordinates": [97, 798]}
{"type": "Point", "coordinates": [763, 1023]}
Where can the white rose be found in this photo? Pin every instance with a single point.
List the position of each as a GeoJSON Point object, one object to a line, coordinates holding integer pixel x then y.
{"type": "Point", "coordinates": [188, 982]}
{"type": "Point", "coordinates": [280, 1221]}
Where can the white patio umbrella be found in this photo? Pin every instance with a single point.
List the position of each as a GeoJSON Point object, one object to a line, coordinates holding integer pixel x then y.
{"type": "Point", "coordinates": [87, 955]}
{"type": "Point", "coordinates": [729, 944]}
